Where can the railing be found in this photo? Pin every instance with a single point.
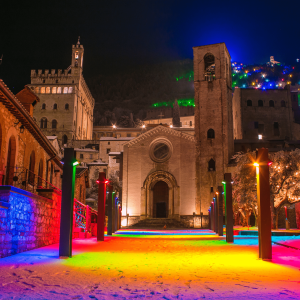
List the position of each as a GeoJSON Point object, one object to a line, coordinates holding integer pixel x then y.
{"type": "Point", "coordinates": [26, 180]}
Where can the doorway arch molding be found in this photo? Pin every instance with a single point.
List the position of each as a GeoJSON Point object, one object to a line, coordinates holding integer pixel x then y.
{"type": "Point", "coordinates": [147, 194]}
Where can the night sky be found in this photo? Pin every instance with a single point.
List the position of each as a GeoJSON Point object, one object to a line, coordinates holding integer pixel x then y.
{"type": "Point", "coordinates": [119, 34]}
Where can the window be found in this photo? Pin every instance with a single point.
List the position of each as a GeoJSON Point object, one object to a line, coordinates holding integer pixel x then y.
{"type": "Point", "coordinates": [211, 165]}
{"type": "Point", "coordinates": [276, 128]}
{"type": "Point", "coordinates": [107, 150]}
{"type": "Point", "coordinates": [65, 90]}
{"type": "Point", "coordinates": [210, 134]}
{"type": "Point", "coordinates": [67, 107]}
{"type": "Point", "coordinates": [44, 106]}
{"type": "Point", "coordinates": [48, 90]}
{"type": "Point", "coordinates": [54, 90]}
{"type": "Point", "coordinates": [70, 90]}
{"type": "Point", "coordinates": [211, 189]}
{"type": "Point", "coordinates": [91, 156]}
{"type": "Point", "coordinates": [81, 155]}
{"type": "Point", "coordinates": [59, 90]}
{"type": "Point", "coordinates": [180, 124]}
{"type": "Point", "coordinates": [261, 128]}
{"type": "Point", "coordinates": [209, 67]}
{"type": "Point", "coordinates": [36, 89]}
{"type": "Point", "coordinates": [249, 102]}
{"type": "Point", "coordinates": [255, 125]}
{"type": "Point", "coordinates": [31, 168]}
{"type": "Point", "coordinates": [43, 123]}
{"type": "Point", "coordinates": [260, 103]}
{"type": "Point", "coordinates": [191, 123]}
{"type": "Point", "coordinates": [43, 89]}
{"type": "Point", "coordinates": [55, 106]}
{"type": "Point", "coordinates": [128, 134]}
{"type": "Point", "coordinates": [108, 143]}
{"type": "Point", "coordinates": [271, 103]}
{"type": "Point", "coordinates": [282, 103]}
{"type": "Point", "coordinates": [54, 124]}
{"type": "Point", "coordinates": [64, 140]}
{"type": "Point", "coordinates": [56, 81]}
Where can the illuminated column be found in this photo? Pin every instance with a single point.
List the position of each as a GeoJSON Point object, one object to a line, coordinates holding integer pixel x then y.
{"type": "Point", "coordinates": [212, 216]}
{"type": "Point", "coordinates": [220, 210]}
{"type": "Point", "coordinates": [110, 210]}
{"type": "Point", "coordinates": [264, 207]}
{"type": "Point", "coordinates": [67, 203]}
{"type": "Point", "coordinates": [209, 218]}
{"type": "Point", "coordinates": [101, 205]}
{"type": "Point", "coordinates": [228, 207]}
{"type": "Point", "coordinates": [216, 214]}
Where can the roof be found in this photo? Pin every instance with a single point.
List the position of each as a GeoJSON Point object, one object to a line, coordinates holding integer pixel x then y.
{"type": "Point", "coordinates": [163, 129]}
{"type": "Point", "coordinates": [114, 153]}
{"type": "Point", "coordinates": [81, 171]}
{"type": "Point", "coordinates": [97, 162]}
{"type": "Point", "coordinates": [116, 139]}
{"type": "Point", "coordinates": [18, 110]}
{"type": "Point", "coordinates": [51, 137]}
{"type": "Point", "coordinates": [26, 96]}
{"type": "Point", "coordinates": [85, 150]}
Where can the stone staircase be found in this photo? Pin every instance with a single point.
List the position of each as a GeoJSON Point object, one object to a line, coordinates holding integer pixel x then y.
{"type": "Point", "coordinates": [157, 223]}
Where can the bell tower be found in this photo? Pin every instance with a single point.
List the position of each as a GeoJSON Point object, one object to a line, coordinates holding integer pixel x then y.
{"type": "Point", "coordinates": [213, 120]}
{"type": "Point", "coordinates": [77, 57]}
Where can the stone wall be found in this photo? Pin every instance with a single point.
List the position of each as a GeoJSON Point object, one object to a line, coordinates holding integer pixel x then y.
{"type": "Point", "coordinates": [27, 221]}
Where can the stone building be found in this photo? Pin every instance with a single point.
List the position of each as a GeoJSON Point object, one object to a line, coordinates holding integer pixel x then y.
{"type": "Point", "coordinates": [27, 158]}
{"type": "Point", "coordinates": [66, 105]}
{"type": "Point", "coordinates": [263, 114]}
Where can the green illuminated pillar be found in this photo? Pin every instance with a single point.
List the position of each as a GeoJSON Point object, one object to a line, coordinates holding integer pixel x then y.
{"type": "Point", "coordinates": [67, 203]}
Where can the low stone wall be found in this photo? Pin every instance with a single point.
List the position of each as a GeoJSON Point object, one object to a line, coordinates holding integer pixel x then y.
{"type": "Point", "coordinates": [27, 221]}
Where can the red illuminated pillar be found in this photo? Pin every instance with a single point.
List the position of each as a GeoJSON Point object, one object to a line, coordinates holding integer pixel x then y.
{"type": "Point", "coordinates": [264, 205]}
{"type": "Point", "coordinates": [101, 205]}
{"type": "Point", "coordinates": [228, 207]}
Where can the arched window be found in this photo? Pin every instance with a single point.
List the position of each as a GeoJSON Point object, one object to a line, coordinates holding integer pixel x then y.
{"type": "Point", "coordinates": [43, 123]}
{"type": "Point", "coordinates": [44, 106]}
{"type": "Point", "coordinates": [54, 106]}
{"type": "Point", "coordinates": [10, 164]}
{"type": "Point", "coordinates": [48, 90]}
{"type": "Point", "coordinates": [31, 168]}
{"type": "Point", "coordinates": [54, 124]}
{"type": "Point", "coordinates": [0, 146]}
{"type": "Point", "coordinates": [249, 102]}
{"type": "Point", "coordinates": [210, 134]}
{"type": "Point", "coordinates": [66, 106]}
{"type": "Point", "coordinates": [271, 103]}
{"type": "Point", "coordinates": [54, 90]}
{"type": "Point", "coordinates": [70, 90]}
{"type": "Point", "coordinates": [40, 174]}
{"type": "Point", "coordinates": [64, 140]}
{"type": "Point", "coordinates": [282, 103]}
{"type": "Point", "coordinates": [43, 90]}
{"type": "Point", "coordinates": [59, 90]}
{"type": "Point", "coordinates": [209, 67]}
{"type": "Point", "coordinates": [36, 89]}
{"type": "Point", "coordinates": [211, 165]}
{"type": "Point", "coordinates": [260, 103]}
{"type": "Point", "coordinates": [65, 90]}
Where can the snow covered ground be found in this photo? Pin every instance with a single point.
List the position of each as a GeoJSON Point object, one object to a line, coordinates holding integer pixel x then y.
{"type": "Point", "coordinates": [191, 264]}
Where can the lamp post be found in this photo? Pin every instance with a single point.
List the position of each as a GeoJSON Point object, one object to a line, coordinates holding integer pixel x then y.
{"type": "Point", "coordinates": [263, 200]}
{"type": "Point", "coordinates": [101, 205]}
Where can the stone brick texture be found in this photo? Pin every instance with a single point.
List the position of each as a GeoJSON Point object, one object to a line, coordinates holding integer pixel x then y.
{"type": "Point", "coordinates": [31, 221]}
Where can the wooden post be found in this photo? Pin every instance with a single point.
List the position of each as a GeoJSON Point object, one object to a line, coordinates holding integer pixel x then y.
{"type": "Point", "coordinates": [228, 207]}
{"type": "Point", "coordinates": [101, 205]}
{"type": "Point", "coordinates": [220, 210]}
{"type": "Point", "coordinates": [67, 204]}
{"type": "Point", "coordinates": [264, 205]}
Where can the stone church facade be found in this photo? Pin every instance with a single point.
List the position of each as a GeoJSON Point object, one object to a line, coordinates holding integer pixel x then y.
{"type": "Point", "coordinates": [66, 105]}
{"type": "Point", "coordinates": [168, 174]}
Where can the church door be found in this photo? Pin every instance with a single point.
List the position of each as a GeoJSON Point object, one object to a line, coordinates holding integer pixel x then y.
{"type": "Point", "coordinates": [160, 200]}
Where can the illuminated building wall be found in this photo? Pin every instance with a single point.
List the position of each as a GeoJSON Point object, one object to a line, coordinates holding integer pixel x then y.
{"type": "Point", "coordinates": [27, 221]}
{"type": "Point", "coordinates": [66, 102]}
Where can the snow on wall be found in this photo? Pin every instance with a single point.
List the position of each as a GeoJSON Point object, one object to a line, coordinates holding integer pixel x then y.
{"type": "Point", "coordinates": [27, 221]}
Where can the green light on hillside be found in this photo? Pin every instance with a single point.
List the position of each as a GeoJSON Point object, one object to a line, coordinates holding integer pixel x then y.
{"type": "Point", "coordinates": [181, 102]}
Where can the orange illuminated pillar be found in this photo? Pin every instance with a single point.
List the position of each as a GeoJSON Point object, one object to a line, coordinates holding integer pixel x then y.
{"type": "Point", "coordinates": [264, 206]}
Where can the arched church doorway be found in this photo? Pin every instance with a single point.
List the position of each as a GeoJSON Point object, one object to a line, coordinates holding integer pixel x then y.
{"type": "Point", "coordinates": [160, 200]}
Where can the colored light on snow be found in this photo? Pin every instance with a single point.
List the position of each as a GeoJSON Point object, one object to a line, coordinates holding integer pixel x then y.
{"type": "Point", "coordinates": [270, 163]}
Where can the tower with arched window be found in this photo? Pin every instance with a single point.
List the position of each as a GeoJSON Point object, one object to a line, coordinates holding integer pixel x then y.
{"type": "Point", "coordinates": [213, 119]}
{"type": "Point", "coordinates": [64, 98]}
